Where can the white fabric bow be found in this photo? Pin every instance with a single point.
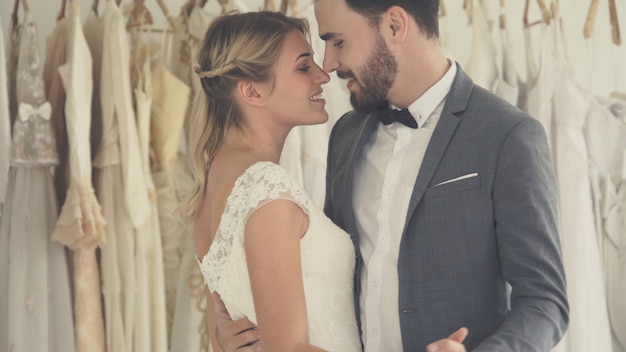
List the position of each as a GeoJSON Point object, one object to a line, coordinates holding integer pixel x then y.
{"type": "Point", "coordinates": [26, 111]}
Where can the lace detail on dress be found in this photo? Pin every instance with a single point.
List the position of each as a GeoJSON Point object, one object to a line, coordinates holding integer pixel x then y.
{"type": "Point", "coordinates": [33, 141]}
{"type": "Point", "coordinates": [258, 185]}
{"type": "Point", "coordinates": [80, 224]}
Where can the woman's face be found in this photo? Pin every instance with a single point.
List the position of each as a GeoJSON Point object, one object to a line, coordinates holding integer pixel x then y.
{"type": "Point", "coordinates": [296, 95]}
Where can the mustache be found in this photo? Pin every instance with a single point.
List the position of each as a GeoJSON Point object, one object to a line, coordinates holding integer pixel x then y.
{"type": "Point", "coordinates": [345, 74]}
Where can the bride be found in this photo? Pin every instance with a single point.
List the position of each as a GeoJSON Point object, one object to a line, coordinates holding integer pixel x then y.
{"type": "Point", "coordinates": [262, 245]}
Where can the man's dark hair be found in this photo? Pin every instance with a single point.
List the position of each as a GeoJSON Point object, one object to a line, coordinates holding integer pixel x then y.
{"type": "Point", "coordinates": [425, 12]}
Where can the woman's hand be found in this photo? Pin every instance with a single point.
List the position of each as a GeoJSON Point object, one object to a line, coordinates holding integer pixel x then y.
{"type": "Point", "coordinates": [234, 335]}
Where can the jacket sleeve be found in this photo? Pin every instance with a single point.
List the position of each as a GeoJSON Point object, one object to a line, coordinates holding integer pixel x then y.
{"type": "Point", "coordinates": [526, 219]}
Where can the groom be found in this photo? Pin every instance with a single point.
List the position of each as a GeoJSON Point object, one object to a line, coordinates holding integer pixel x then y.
{"type": "Point", "coordinates": [445, 210]}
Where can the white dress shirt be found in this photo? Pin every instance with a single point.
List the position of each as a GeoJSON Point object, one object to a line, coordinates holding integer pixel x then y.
{"type": "Point", "coordinates": [385, 174]}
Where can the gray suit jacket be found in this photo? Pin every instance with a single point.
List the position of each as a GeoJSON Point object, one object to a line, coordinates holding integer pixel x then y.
{"type": "Point", "coordinates": [465, 239]}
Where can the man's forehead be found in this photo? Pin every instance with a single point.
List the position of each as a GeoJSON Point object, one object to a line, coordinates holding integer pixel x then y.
{"type": "Point", "coordinates": [332, 16]}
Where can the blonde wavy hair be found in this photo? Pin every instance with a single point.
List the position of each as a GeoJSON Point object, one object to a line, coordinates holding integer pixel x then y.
{"type": "Point", "coordinates": [237, 46]}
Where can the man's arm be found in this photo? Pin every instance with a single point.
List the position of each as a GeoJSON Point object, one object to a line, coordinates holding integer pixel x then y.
{"type": "Point", "coordinates": [526, 219]}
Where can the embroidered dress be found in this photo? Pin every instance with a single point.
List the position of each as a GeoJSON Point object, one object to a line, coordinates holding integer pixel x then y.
{"type": "Point", "coordinates": [327, 255]}
{"type": "Point", "coordinates": [35, 302]}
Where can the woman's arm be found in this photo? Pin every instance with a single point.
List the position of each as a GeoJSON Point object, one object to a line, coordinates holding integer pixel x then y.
{"type": "Point", "coordinates": [272, 244]}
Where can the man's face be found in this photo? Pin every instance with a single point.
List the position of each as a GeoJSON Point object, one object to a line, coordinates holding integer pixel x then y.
{"type": "Point", "coordinates": [358, 53]}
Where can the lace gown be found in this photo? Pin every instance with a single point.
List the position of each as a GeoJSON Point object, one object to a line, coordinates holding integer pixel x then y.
{"type": "Point", "coordinates": [35, 301]}
{"type": "Point", "coordinates": [327, 259]}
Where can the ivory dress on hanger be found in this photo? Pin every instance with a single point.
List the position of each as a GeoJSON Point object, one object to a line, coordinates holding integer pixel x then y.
{"type": "Point", "coordinates": [170, 97]}
{"type": "Point", "coordinates": [305, 151]}
{"type": "Point", "coordinates": [481, 65]}
{"type": "Point", "coordinates": [507, 84]}
{"type": "Point", "coordinates": [56, 44]}
{"type": "Point", "coordinates": [589, 322]}
{"type": "Point", "coordinates": [5, 124]}
{"type": "Point", "coordinates": [121, 188]}
{"type": "Point", "coordinates": [35, 301]}
{"type": "Point", "coordinates": [183, 278]}
{"type": "Point", "coordinates": [605, 133]}
{"type": "Point", "coordinates": [80, 225]}
{"type": "Point", "coordinates": [150, 332]}
{"type": "Point", "coordinates": [540, 78]}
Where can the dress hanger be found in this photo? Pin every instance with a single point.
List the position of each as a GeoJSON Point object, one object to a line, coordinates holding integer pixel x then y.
{"type": "Point", "coordinates": [223, 4]}
{"type": "Point", "coordinates": [188, 7]}
{"type": "Point", "coordinates": [16, 6]}
{"type": "Point", "coordinates": [140, 16]}
{"type": "Point", "coordinates": [545, 13]}
{"type": "Point", "coordinates": [591, 19]}
{"type": "Point", "coordinates": [467, 6]}
{"type": "Point", "coordinates": [502, 15]}
{"type": "Point", "coordinates": [293, 6]}
{"type": "Point", "coordinates": [442, 9]}
{"type": "Point", "coordinates": [167, 13]}
{"type": "Point", "coordinates": [62, 11]}
{"type": "Point", "coordinates": [269, 5]}
{"type": "Point", "coordinates": [615, 32]}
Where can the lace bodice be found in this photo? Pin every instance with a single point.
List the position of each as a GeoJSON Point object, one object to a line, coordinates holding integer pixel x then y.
{"type": "Point", "coordinates": [33, 141]}
{"type": "Point", "coordinates": [327, 258]}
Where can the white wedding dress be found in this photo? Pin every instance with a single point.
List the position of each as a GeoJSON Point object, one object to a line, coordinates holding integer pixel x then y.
{"type": "Point", "coordinates": [327, 259]}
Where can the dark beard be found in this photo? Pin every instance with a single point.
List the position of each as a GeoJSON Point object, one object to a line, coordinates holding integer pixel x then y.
{"type": "Point", "coordinates": [377, 76]}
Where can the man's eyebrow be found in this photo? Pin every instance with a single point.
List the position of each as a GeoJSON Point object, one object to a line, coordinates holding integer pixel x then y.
{"type": "Point", "coordinates": [329, 36]}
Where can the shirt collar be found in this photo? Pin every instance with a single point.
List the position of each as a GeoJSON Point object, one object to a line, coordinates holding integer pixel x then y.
{"type": "Point", "coordinates": [427, 102]}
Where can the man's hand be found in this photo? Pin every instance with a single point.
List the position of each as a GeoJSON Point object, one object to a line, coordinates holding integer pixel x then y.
{"type": "Point", "coordinates": [234, 335]}
{"type": "Point", "coordinates": [454, 342]}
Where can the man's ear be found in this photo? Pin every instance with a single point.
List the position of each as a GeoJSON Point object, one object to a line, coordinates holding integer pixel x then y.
{"type": "Point", "coordinates": [251, 93]}
{"type": "Point", "coordinates": [396, 20]}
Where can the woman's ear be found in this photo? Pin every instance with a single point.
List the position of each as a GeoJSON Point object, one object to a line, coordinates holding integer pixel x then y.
{"type": "Point", "coordinates": [397, 21]}
{"type": "Point", "coordinates": [251, 93]}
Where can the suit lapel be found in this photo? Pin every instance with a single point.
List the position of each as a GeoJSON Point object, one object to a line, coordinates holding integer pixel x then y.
{"type": "Point", "coordinates": [364, 130]}
{"type": "Point", "coordinates": [456, 101]}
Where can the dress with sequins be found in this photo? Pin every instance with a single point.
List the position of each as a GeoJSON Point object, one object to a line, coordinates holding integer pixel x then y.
{"type": "Point", "coordinates": [35, 302]}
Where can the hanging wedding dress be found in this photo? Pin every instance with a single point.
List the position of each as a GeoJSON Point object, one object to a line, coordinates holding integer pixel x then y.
{"type": "Point", "coordinates": [35, 300]}
{"type": "Point", "coordinates": [150, 331]}
{"type": "Point", "coordinates": [170, 97]}
{"type": "Point", "coordinates": [56, 44]}
{"type": "Point", "coordinates": [507, 84]}
{"type": "Point", "coordinates": [539, 86]}
{"type": "Point", "coordinates": [5, 124]}
{"type": "Point", "coordinates": [605, 133]}
{"type": "Point", "coordinates": [481, 65]}
{"type": "Point", "coordinates": [121, 189]}
{"type": "Point", "coordinates": [589, 322]}
{"type": "Point", "coordinates": [305, 151]}
{"type": "Point", "coordinates": [183, 278]}
{"type": "Point", "coordinates": [81, 224]}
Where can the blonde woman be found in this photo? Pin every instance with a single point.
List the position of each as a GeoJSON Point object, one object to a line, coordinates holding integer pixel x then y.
{"type": "Point", "coordinates": [262, 245]}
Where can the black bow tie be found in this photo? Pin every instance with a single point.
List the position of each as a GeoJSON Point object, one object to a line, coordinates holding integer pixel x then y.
{"type": "Point", "coordinates": [387, 116]}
